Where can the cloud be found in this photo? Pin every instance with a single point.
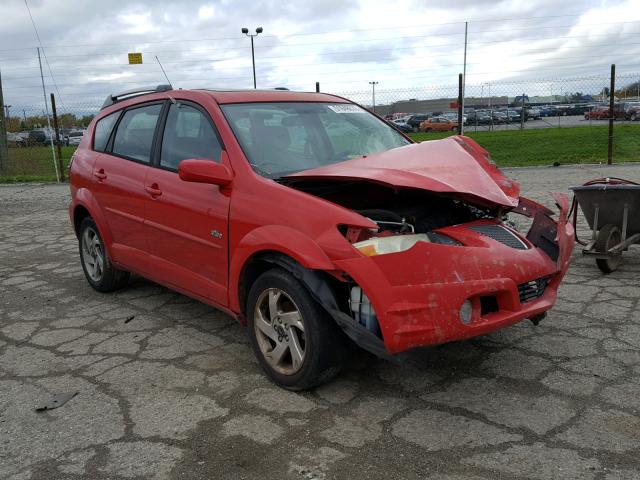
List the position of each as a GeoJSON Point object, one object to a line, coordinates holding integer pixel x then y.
{"type": "Point", "coordinates": [405, 44]}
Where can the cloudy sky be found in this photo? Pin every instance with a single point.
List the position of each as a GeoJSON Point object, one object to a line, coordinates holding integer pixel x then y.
{"type": "Point", "coordinates": [402, 44]}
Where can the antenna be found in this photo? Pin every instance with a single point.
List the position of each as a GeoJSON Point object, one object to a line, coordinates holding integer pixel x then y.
{"type": "Point", "coordinates": [165, 73]}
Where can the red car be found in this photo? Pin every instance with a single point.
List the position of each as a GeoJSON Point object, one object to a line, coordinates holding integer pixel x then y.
{"type": "Point", "coordinates": [597, 114]}
{"type": "Point", "coordinates": [312, 221]}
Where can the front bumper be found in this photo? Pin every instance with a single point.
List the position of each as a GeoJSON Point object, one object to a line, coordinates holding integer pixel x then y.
{"type": "Point", "coordinates": [417, 294]}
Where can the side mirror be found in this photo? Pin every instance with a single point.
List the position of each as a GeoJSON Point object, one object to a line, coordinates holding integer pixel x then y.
{"type": "Point", "coordinates": [201, 170]}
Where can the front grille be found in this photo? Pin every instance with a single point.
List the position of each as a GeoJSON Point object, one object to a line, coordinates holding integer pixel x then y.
{"type": "Point", "coordinates": [500, 234]}
{"type": "Point", "coordinates": [533, 289]}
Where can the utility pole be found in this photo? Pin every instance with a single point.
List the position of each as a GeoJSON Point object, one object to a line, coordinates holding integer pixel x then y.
{"type": "Point", "coordinates": [58, 142]}
{"type": "Point", "coordinates": [464, 75]}
{"type": "Point", "coordinates": [4, 151]}
{"type": "Point", "coordinates": [373, 95]}
{"type": "Point", "coordinates": [46, 106]}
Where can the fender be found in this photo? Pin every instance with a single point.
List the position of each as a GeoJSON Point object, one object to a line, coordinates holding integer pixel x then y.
{"type": "Point", "coordinates": [85, 198]}
{"type": "Point", "coordinates": [278, 238]}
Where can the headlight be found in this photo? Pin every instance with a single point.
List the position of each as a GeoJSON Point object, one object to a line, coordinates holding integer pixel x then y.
{"type": "Point", "coordinates": [382, 245]}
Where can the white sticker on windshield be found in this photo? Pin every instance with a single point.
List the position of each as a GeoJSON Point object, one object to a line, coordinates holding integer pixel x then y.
{"type": "Point", "coordinates": [346, 108]}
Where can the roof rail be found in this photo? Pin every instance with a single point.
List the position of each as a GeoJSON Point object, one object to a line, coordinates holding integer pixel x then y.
{"type": "Point", "coordinates": [115, 98]}
{"type": "Point", "coordinates": [281, 88]}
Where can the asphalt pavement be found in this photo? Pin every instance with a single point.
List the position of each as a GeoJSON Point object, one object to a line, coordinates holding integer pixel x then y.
{"type": "Point", "coordinates": [168, 387]}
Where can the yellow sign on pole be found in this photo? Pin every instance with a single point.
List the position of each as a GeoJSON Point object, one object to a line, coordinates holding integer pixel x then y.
{"type": "Point", "coordinates": [135, 58]}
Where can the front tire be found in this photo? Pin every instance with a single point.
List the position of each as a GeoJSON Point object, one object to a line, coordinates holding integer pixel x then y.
{"type": "Point", "coordinates": [297, 343]}
{"type": "Point", "coordinates": [97, 267]}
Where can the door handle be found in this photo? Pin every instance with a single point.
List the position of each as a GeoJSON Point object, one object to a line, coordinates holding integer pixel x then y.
{"type": "Point", "coordinates": [100, 174]}
{"type": "Point", "coordinates": [153, 190]}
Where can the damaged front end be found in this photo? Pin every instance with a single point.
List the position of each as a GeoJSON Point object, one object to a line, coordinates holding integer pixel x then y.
{"type": "Point", "coordinates": [444, 262]}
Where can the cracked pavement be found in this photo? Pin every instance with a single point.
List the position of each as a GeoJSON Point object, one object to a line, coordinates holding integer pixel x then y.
{"type": "Point", "coordinates": [175, 391]}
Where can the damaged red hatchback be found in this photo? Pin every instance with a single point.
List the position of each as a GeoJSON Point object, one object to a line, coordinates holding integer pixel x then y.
{"type": "Point", "coordinates": [311, 220]}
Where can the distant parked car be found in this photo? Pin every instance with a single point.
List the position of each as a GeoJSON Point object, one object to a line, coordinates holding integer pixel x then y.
{"type": "Point", "coordinates": [548, 111]}
{"type": "Point", "coordinates": [478, 117]}
{"type": "Point", "coordinates": [74, 137]}
{"type": "Point", "coordinates": [578, 109]}
{"type": "Point", "coordinates": [438, 124]}
{"type": "Point", "coordinates": [403, 126]}
{"type": "Point", "coordinates": [414, 121]}
{"type": "Point", "coordinates": [37, 137]}
{"type": "Point", "coordinates": [632, 111]}
{"type": "Point", "coordinates": [15, 140]}
{"type": "Point", "coordinates": [499, 117]}
{"type": "Point", "coordinates": [533, 113]}
{"type": "Point", "coordinates": [601, 113]}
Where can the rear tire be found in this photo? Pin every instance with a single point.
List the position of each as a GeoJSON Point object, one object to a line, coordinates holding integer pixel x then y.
{"type": "Point", "coordinates": [297, 343]}
{"type": "Point", "coordinates": [608, 236]}
{"type": "Point", "coordinates": [97, 267]}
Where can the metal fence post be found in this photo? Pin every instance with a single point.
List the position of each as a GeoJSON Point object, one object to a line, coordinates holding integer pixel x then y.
{"type": "Point", "coordinates": [522, 114]}
{"type": "Point", "coordinates": [612, 93]}
{"type": "Point", "coordinates": [4, 151]}
{"type": "Point", "coordinates": [460, 112]}
{"type": "Point", "coordinates": [55, 126]}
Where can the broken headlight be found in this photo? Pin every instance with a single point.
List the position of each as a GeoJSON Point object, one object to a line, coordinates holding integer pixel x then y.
{"type": "Point", "coordinates": [399, 243]}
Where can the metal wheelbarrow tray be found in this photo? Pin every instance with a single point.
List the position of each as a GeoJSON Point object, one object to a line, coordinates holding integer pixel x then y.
{"type": "Point", "coordinates": [612, 210]}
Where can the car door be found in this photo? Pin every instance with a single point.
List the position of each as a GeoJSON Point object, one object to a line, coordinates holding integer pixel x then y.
{"type": "Point", "coordinates": [187, 223]}
{"type": "Point", "coordinates": [119, 174]}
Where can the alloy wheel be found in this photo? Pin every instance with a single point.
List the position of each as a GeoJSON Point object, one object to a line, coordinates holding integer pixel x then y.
{"type": "Point", "coordinates": [92, 254]}
{"type": "Point", "coordinates": [279, 329]}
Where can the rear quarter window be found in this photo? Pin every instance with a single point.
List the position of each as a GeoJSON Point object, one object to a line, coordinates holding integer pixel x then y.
{"type": "Point", "coordinates": [134, 135]}
{"type": "Point", "coordinates": [103, 131]}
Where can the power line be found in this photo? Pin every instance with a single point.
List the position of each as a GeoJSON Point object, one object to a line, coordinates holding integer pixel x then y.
{"type": "Point", "coordinates": [43, 52]}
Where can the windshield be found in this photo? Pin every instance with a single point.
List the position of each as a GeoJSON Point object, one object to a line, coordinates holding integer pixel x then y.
{"type": "Point", "coordinates": [283, 138]}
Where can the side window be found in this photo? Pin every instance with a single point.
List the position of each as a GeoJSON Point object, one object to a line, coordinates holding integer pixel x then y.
{"type": "Point", "coordinates": [134, 135]}
{"type": "Point", "coordinates": [103, 130]}
{"type": "Point", "coordinates": [188, 134]}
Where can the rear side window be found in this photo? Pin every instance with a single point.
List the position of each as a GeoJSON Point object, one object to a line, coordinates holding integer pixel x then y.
{"type": "Point", "coordinates": [103, 130]}
{"type": "Point", "coordinates": [188, 134]}
{"type": "Point", "coordinates": [134, 135]}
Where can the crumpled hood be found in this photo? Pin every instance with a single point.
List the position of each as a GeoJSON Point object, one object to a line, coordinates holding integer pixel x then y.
{"type": "Point", "coordinates": [453, 165]}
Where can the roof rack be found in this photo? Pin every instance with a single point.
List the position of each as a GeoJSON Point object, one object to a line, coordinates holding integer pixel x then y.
{"type": "Point", "coordinates": [281, 88]}
{"type": "Point", "coordinates": [115, 98]}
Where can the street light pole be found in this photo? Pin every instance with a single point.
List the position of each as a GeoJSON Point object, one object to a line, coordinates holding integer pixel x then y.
{"type": "Point", "coordinates": [373, 95]}
{"type": "Point", "coordinates": [253, 58]}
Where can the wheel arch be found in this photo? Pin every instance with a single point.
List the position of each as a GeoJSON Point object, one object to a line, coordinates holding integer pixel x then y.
{"type": "Point", "coordinates": [85, 205]}
{"type": "Point", "coordinates": [264, 260]}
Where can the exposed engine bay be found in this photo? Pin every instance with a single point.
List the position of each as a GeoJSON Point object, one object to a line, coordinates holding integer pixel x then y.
{"type": "Point", "coordinates": [397, 211]}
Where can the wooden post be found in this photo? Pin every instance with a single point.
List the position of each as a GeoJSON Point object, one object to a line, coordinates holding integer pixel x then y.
{"type": "Point", "coordinates": [612, 114]}
{"type": "Point", "coordinates": [55, 127]}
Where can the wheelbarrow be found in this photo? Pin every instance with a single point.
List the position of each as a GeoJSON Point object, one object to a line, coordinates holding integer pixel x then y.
{"type": "Point", "coordinates": [612, 209]}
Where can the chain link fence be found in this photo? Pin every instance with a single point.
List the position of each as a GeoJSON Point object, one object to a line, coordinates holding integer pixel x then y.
{"type": "Point", "coordinates": [521, 123]}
